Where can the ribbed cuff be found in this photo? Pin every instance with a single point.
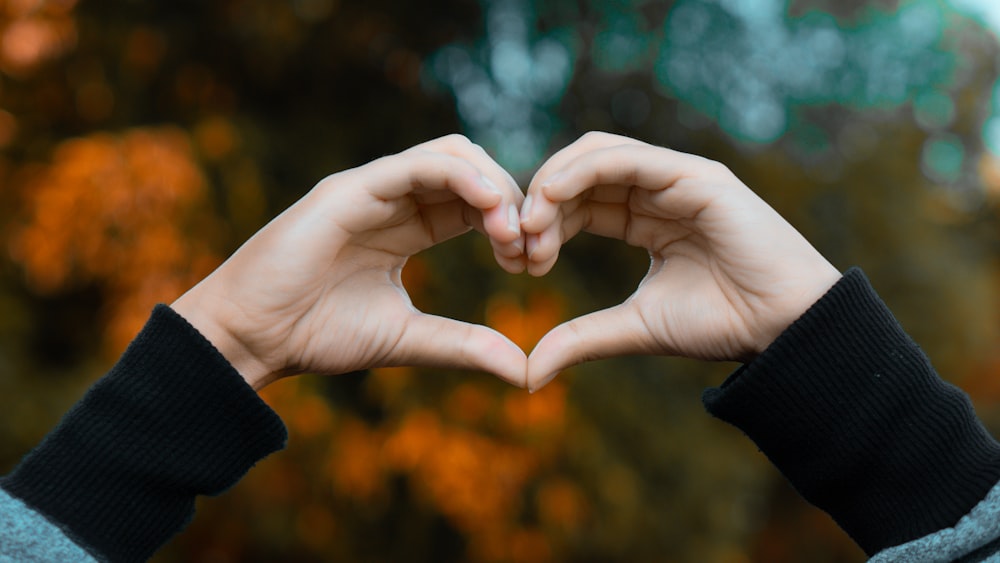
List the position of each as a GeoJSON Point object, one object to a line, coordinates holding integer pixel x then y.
{"type": "Point", "coordinates": [850, 410]}
{"type": "Point", "coordinates": [170, 421]}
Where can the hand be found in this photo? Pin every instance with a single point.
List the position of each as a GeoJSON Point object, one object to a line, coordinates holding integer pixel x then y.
{"type": "Point", "coordinates": [727, 274]}
{"type": "Point", "coordinates": [318, 289]}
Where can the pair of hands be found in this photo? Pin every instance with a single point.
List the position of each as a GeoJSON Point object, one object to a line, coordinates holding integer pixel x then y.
{"type": "Point", "coordinates": [319, 290]}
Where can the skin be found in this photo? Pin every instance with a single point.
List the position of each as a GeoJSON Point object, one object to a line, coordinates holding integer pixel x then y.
{"type": "Point", "coordinates": [727, 274]}
{"type": "Point", "coordinates": [318, 289]}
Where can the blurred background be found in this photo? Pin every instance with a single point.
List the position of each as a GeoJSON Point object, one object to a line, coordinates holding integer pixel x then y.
{"type": "Point", "coordinates": [142, 142]}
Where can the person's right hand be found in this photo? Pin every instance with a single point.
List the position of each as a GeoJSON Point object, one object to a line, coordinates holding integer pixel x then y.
{"type": "Point", "coordinates": [727, 274]}
{"type": "Point", "coordinates": [319, 290]}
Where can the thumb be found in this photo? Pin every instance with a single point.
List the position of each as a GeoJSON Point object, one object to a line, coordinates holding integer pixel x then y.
{"type": "Point", "coordinates": [616, 331]}
{"type": "Point", "coordinates": [433, 341]}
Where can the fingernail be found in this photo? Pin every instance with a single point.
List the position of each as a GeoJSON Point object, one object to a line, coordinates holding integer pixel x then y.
{"type": "Point", "coordinates": [513, 219]}
{"type": "Point", "coordinates": [520, 245]}
{"type": "Point", "coordinates": [526, 207]}
{"type": "Point", "coordinates": [531, 245]}
{"type": "Point", "coordinates": [555, 178]}
{"type": "Point", "coordinates": [488, 184]}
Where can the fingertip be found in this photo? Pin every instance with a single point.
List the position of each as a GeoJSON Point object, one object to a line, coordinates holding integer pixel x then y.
{"type": "Point", "coordinates": [433, 341]}
{"type": "Point", "coordinates": [514, 265]}
{"type": "Point", "coordinates": [496, 354]}
{"type": "Point", "coordinates": [521, 244]}
{"type": "Point", "coordinates": [558, 189]}
{"type": "Point", "coordinates": [551, 181]}
{"type": "Point", "coordinates": [488, 185]}
{"type": "Point", "coordinates": [484, 195]}
{"type": "Point", "coordinates": [539, 269]}
{"type": "Point", "coordinates": [542, 250]}
{"type": "Point", "coordinates": [535, 264]}
{"type": "Point", "coordinates": [513, 220]}
{"type": "Point", "coordinates": [497, 225]}
{"type": "Point", "coordinates": [533, 386]}
{"type": "Point", "coordinates": [520, 265]}
{"type": "Point", "coordinates": [530, 245]}
{"type": "Point", "coordinates": [539, 213]}
{"type": "Point", "coordinates": [546, 360]}
{"type": "Point", "coordinates": [513, 364]}
{"type": "Point", "coordinates": [512, 249]}
{"type": "Point", "coordinates": [526, 206]}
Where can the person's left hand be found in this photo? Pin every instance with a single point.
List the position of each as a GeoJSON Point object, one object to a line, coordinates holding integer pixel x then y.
{"type": "Point", "coordinates": [727, 273]}
{"type": "Point", "coordinates": [319, 289]}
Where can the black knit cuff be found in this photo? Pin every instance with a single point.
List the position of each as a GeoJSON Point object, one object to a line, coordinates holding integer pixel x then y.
{"type": "Point", "coordinates": [171, 420]}
{"type": "Point", "coordinates": [850, 410]}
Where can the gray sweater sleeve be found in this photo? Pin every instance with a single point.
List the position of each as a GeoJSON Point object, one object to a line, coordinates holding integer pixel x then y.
{"type": "Point", "coordinates": [27, 536]}
{"type": "Point", "coordinates": [976, 537]}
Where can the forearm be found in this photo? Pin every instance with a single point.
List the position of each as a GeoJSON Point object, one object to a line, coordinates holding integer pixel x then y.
{"type": "Point", "coordinates": [851, 411]}
{"type": "Point", "coordinates": [170, 421]}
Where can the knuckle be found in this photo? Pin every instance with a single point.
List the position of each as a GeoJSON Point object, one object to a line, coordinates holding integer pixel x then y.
{"type": "Point", "coordinates": [717, 168]}
{"type": "Point", "coordinates": [629, 173]}
{"type": "Point", "coordinates": [459, 146]}
{"type": "Point", "coordinates": [446, 143]}
{"type": "Point", "coordinates": [594, 136]}
{"type": "Point", "coordinates": [457, 140]}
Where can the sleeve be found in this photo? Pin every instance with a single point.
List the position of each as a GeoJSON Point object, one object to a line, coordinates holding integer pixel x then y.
{"type": "Point", "coordinates": [976, 537]}
{"type": "Point", "coordinates": [26, 535]}
{"type": "Point", "coordinates": [119, 475]}
{"type": "Point", "coordinates": [850, 410]}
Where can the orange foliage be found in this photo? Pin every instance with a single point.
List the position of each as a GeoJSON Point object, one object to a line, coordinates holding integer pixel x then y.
{"type": "Point", "coordinates": [453, 456]}
{"type": "Point", "coordinates": [355, 465]}
{"type": "Point", "coordinates": [216, 137]}
{"type": "Point", "coordinates": [414, 276]}
{"type": "Point", "coordinates": [144, 49]}
{"type": "Point", "coordinates": [541, 412]}
{"type": "Point", "coordinates": [311, 416]}
{"type": "Point", "coordinates": [469, 403]}
{"type": "Point", "coordinates": [475, 481]}
{"type": "Point", "coordinates": [529, 546]}
{"type": "Point", "coordinates": [561, 505]}
{"type": "Point", "coordinates": [475, 460]}
{"type": "Point", "coordinates": [525, 326]}
{"type": "Point", "coordinates": [389, 385]}
{"type": "Point", "coordinates": [8, 128]}
{"type": "Point", "coordinates": [983, 384]}
{"type": "Point", "coordinates": [128, 212]}
{"type": "Point", "coordinates": [33, 32]}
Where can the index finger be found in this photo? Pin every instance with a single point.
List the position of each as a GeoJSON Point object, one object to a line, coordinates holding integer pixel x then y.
{"type": "Point", "coordinates": [502, 221]}
{"type": "Point", "coordinates": [589, 142]}
{"type": "Point", "coordinates": [438, 177]}
{"type": "Point", "coordinates": [684, 182]}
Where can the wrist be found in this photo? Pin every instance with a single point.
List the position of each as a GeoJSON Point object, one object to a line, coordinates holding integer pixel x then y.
{"type": "Point", "coordinates": [205, 317]}
{"type": "Point", "coordinates": [814, 286]}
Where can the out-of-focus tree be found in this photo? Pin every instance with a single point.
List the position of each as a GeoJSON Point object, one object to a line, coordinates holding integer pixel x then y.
{"type": "Point", "coordinates": [127, 213]}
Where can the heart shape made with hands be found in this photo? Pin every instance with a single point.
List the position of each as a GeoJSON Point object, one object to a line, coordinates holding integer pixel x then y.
{"type": "Point", "coordinates": [555, 209]}
{"type": "Point", "coordinates": [727, 274]}
{"type": "Point", "coordinates": [319, 289]}
{"type": "Point", "coordinates": [590, 274]}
